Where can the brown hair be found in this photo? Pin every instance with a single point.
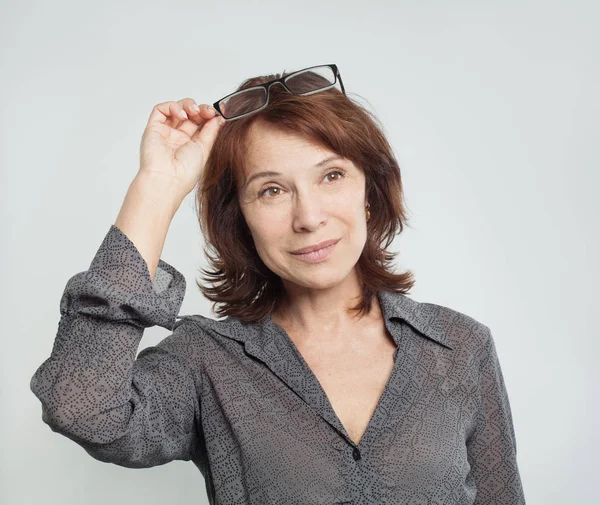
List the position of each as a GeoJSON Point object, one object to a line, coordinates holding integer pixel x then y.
{"type": "Point", "coordinates": [240, 280]}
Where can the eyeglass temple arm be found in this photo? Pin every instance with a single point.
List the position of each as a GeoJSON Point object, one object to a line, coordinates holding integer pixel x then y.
{"type": "Point", "coordinates": [339, 76]}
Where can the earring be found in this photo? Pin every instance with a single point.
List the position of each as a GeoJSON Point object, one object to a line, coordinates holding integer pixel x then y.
{"type": "Point", "coordinates": [368, 206]}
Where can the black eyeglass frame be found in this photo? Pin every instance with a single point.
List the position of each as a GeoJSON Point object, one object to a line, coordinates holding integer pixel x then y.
{"type": "Point", "coordinates": [267, 85]}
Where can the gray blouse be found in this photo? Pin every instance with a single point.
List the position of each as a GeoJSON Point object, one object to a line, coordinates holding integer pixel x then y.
{"type": "Point", "coordinates": [241, 403]}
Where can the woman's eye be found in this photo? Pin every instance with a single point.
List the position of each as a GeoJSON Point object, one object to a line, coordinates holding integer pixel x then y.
{"type": "Point", "coordinates": [341, 173]}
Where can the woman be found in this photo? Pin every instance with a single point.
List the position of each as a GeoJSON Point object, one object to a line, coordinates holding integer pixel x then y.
{"type": "Point", "coordinates": [325, 383]}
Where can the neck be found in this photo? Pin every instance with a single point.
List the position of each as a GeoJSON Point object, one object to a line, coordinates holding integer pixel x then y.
{"type": "Point", "coordinates": [324, 314]}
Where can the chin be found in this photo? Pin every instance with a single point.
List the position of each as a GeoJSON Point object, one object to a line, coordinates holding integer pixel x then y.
{"type": "Point", "coordinates": [318, 279]}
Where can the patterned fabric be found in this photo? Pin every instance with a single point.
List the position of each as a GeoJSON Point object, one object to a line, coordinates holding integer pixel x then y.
{"type": "Point", "coordinates": [242, 404]}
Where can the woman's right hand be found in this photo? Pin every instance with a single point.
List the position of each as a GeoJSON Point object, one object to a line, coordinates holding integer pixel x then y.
{"type": "Point", "coordinates": [177, 146]}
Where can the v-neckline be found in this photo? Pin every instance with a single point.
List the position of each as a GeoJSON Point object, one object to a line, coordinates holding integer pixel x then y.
{"type": "Point", "coordinates": [377, 412]}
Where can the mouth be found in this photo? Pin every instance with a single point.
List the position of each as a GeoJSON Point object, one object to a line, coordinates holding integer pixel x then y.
{"type": "Point", "coordinates": [316, 247]}
{"type": "Point", "coordinates": [320, 255]}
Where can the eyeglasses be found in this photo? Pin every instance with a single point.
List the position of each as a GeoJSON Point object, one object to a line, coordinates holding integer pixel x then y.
{"type": "Point", "coordinates": [302, 82]}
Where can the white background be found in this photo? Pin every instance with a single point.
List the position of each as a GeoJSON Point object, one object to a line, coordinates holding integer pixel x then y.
{"type": "Point", "coordinates": [492, 109]}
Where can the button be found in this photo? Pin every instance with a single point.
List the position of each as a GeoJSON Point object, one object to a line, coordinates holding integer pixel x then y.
{"type": "Point", "coordinates": [356, 454]}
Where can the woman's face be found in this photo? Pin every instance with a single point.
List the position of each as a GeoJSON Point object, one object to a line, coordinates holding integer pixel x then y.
{"type": "Point", "coordinates": [307, 203]}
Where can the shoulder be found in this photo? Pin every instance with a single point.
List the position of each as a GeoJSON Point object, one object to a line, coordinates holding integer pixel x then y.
{"type": "Point", "coordinates": [209, 334]}
{"type": "Point", "coordinates": [196, 326]}
{"type": "Point", "coordinates": [470, 339]}
{"type": "Point", "coordinates": [448, 325]}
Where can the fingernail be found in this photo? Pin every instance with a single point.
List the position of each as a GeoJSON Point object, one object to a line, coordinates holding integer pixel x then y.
{"type": "Point", "coordinates": [183, 114]}
{"type": "Point", "coordinates": [195, 107]}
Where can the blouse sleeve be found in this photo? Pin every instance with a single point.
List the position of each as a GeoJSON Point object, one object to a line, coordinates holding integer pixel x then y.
{"type": "Point", "coordinates": [132, 412]}
{"type": "Point", "coordinates": [492, 448]}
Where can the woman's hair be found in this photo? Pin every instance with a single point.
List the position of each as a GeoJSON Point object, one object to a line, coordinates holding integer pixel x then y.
{"type": "Point", "coordinates": [240, 281]}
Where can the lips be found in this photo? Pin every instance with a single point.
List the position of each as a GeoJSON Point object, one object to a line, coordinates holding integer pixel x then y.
{"type": "Point", "coordinates": [316, 247]}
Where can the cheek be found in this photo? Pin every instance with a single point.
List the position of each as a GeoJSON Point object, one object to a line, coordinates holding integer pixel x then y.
{"type": "Point", "coordinates": [271, 234]}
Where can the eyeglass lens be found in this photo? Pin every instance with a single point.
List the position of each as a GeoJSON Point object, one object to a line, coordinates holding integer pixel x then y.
{"type": "Point", "coordinates": [301, 83]}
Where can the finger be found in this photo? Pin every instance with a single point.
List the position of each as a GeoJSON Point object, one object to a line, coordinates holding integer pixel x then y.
{"type": "Point", "coordinates": [170, 113]}
{"type": "Point", "coordinates": [197, 113]}
{"type": "Point", "coordinates": [208, 133]}
{"type": "Point", "coordinates": [177, 114]}
{"type": "Point", "coordinates": [164, 111]}
{"type": "Point", "coordinates": [196, 118]}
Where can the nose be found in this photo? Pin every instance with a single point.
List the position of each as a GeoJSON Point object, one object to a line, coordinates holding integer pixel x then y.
{"type": "Point", "coordinates": [309, 214]}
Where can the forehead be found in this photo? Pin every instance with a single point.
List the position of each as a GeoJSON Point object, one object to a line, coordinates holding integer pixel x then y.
{"type": "Point", "coordinates": [274, 148]}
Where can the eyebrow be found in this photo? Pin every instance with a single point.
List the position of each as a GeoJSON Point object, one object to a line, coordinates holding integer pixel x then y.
{"type": "Point", "coordinates": [270, 173]}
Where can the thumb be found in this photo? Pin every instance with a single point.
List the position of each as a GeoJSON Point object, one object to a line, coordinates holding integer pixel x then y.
{"type": "Point", "coordinates": [208, 133]}
{"type": "Point", "coordinates": [201, 142]}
